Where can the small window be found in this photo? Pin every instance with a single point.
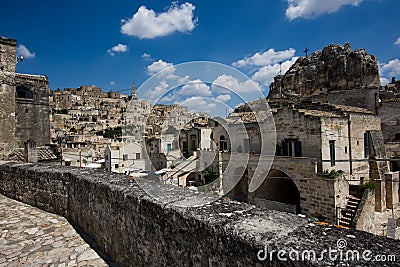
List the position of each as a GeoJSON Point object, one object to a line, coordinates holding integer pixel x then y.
{"type": "Point", "coordinates": [367, 143]}
{"type": "Point", "coordinates": [345, 149]}
{"type": "Point", "coordinates": [116, 166]}
{"type": "Point", "coordinates": [332, 152]}
{"type": "Point", "coordinates": [137, 155]}
{"type": "Point", "coordinates": [125, 157]}
{"type": "Point", "coordinates": [23, 92]}
{"type": "Point", "coordinates": [291, 148]}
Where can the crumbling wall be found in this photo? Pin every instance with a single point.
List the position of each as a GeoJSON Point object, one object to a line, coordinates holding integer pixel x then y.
{"type": "Point", "coordinates": [364, 218]}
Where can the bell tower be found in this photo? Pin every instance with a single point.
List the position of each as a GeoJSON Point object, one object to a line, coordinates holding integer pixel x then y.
{"type": "Point", "coordinates": [134, 96]}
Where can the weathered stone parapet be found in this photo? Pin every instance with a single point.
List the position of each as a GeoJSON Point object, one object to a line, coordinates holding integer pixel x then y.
{"type": "Point", "coordinates": [137, 230]}
{"type": "Point", "coordinates": [364, 218]}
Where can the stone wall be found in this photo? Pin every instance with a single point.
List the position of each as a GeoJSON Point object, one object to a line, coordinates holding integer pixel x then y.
{"type": "Point", "coordinates": [293, 124]}
{"type": "Point", "coordinates": [364, 218]}
{"type": "Point", "coordinates": [317, 192]}
{"type": "Point", "coordinates": [389, 111]}
{"type": "Point", "coordinates": [357, 97]}
{"type": "Point", "coordinates": [32, 114]}
{"type": "Point", "coordinates": [7, 94]}
{"type": "Point", "coordinates": [392, 189]}
{"type": "Point", "coordinates": [137, 230]}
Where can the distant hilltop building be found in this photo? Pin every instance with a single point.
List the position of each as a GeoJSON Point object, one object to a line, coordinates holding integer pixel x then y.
{"type": "Point", "coordinates": [24, 103]}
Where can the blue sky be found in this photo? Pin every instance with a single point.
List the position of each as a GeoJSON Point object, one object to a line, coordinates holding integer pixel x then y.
{"type": "Point", "coordinates": [112, 44]}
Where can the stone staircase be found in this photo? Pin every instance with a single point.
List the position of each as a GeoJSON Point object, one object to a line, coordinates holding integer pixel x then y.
{"type": "Point", "coordinates": [347, 215]}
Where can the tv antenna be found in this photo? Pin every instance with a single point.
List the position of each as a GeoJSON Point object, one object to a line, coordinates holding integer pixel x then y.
{"type": "Point", "coordinates": [306, 51]}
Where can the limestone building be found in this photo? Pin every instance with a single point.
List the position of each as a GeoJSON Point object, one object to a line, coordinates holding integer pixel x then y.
{"type": "Point", "coordinates": [24, 107]}
{"type": "Point", "coordinates": [7, 94]}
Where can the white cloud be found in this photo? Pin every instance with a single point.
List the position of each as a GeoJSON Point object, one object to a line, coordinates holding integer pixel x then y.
{"type": "Point", "coordinates": [266, 74]}
{"type": "Point", "coordinates": [184, 79]}
{"type": "Point", "coordinates": [147, 24]}
{"type": "Point", "coordinates": [195, 88]}
{"type": "Point", "coordinates": [200, 104]}
{"type": "Point", "coordinates": [226, 84]}
{"type": "Point", "coordinates": [384, 81]}
{"type": "Point", "coordinates": [397, 41]}
{"type": "Point", "coordinates": [158, 91]}
{"type": "Point", "coordinates": [119, 48]}
{"type": "Point", "coordinates": [314, 8]}
{"type": "Point", "coordinates": [112, 83]}
{"type": "Point", "coordinates": [163, 69]}
{"type": "Point", "coordinates": [265, 58]}
{"type": "Point", "coordinates": [22, 50]}
{"type": "Point", "coordinates": [223, 98]}
{"type": "Point", "coordinates": [147, 57]}
{"type": "Point", "coordinates": [390, 69]}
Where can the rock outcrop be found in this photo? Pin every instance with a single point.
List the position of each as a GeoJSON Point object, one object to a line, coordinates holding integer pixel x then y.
{"type": "Point", "coordinates": [335, 68]}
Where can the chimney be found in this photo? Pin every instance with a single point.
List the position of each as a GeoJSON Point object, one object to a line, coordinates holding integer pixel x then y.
{"type": "Point", "coordinates": [30, 151]}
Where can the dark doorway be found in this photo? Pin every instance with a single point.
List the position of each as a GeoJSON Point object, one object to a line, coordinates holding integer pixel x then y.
{"type": "Point", "coordinates": [279, 187]}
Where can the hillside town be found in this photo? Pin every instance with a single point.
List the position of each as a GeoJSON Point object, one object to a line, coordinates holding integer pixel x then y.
{"type": "Point", "coordinates": [323, 144]}
{"type": "Point", "coordinates": [337, 134]}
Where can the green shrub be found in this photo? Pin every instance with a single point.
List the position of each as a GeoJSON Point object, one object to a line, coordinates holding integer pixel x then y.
{"type": "Point", "coordinates": [362, 187]}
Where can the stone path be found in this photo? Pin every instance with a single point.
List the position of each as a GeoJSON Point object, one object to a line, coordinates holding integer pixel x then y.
{"type": "Point", "coordinates": [32, 237]}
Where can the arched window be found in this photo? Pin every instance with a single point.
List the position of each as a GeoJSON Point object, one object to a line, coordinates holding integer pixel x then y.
{"type": "Point", "coordinates": [23, 92]}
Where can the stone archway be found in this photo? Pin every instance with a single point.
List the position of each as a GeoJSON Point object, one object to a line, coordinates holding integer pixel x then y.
{"type": "Point", "coordinates": [278, 191]}
{"type": "Point", "coordinates": [191, 179]}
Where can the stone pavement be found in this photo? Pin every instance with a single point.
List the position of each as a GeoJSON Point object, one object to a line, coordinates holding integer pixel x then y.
{"type": "Point", "coordinates": [32, 237]}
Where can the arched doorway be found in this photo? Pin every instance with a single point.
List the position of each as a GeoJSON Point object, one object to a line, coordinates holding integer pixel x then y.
{"type": "Point", "coordinates": [191, 179]}
{"type": "Point", "coordinates": [278, 192]}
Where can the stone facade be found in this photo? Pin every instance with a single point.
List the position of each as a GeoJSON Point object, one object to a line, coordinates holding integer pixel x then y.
{"type": "Point", "coordinates": [7, 95]}
{"type": "Point", "coordinates": [32, 109]}
{"type": "Point", "coordinates": [24, 106]}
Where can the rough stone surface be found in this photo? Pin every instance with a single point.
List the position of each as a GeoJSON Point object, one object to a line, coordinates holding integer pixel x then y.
{"type": "Point", "coordinates": [7, 94]}
{"type": "Point", "coordinates": [336, 67]}
{"type": "Point", "coordinates": [135, 229]}
{"type": "Point", "coordinates": [32, 113]}
{"type": "Point", "coordinates": [32, 237]}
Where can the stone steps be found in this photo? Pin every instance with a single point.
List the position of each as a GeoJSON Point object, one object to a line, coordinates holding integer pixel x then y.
{"type": "Point", "coordinates": [347, 217]}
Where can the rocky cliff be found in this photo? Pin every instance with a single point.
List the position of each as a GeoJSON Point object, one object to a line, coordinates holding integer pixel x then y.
{"type": "Point", "coordinates": [335, 68]}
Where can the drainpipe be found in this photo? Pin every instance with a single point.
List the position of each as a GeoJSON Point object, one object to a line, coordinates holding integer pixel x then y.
{"type": "Point", "coordinates": [349, 137]}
